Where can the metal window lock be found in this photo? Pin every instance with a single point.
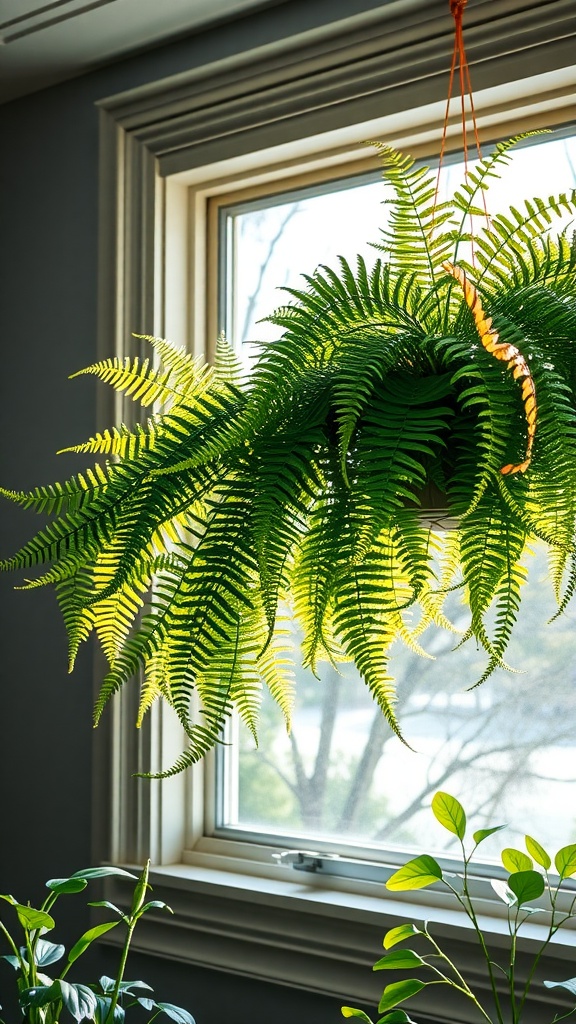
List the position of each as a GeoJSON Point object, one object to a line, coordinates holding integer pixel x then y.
{"type": "Point", "coordinates": [300, 860]}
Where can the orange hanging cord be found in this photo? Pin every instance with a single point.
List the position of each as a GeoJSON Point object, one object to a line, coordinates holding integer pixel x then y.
{"type": "Point", "coordinates": [489, 337]}
{"type": "Point", "coordinates": [460, 61]}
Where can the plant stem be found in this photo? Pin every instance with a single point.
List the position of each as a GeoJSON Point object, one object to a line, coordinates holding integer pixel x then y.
{"type": "Point", "coordinates": [131, 923]}
{"type": "Point", "coordinates": [466, 902]}
{"type": "Point", "coordinates": [463, 987]}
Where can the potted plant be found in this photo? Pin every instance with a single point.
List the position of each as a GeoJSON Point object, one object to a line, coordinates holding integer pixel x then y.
{"type": "Point", "coordinates": [43, 996]}
{"type": "Point", "coordinates": [449, 364]}
{"type": "Point", "coordinates": [533, 887]}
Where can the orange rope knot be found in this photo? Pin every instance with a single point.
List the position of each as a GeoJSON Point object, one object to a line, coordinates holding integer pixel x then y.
{"type": "Point", "coordinates": [457, 7]}
{"type": "Point", "coordinates": [509, 354]}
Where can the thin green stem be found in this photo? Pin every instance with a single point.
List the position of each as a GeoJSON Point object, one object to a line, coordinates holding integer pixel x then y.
{"type": "Point", "coordinates": [13, 947]}
{"type": "Point", "coordinates": [122, 967]}
{"type": "Point", "coordinates": [555, 925]}
{"type": "Point", "coordinates": [512, 966]}
{"type": "Point", "coordinates": [463, 987]}
{"type": "Point", "coordinates": [468, 906]}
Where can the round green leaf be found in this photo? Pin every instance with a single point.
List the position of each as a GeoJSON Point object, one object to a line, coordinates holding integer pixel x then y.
{"type": "Point", "coordinates": [416, 874]}
{"type": "Point", "coordinates": [349, 1011]}
{"type": "Point", "coordinates": [515, 860]}
{"type": "Point", "coordinates": [399, 959]}
{"type": "Point", "coordinates": [565, 861]}
{"type": "Point", "coordinates": [398, 991]}
{"type": "Point", "coordinates": [450, 813]}
{"type": "Point", "coordinates": [526, 885]}
{"type": "Point", "coordinates": [537, 852]}
{"type": "Point", "coordinates": [398, 934]}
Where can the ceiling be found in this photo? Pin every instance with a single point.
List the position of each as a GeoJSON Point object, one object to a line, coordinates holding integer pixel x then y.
{"type": "Point", "coordinates": [47, 41]}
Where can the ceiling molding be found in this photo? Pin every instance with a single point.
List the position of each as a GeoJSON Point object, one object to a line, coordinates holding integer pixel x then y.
{"type": "Point", "coordinates": [42, 44]}
{"type": "Point", "coordinates": [43, 18]}
{"type": "Point", "coordinates": [364, 67]}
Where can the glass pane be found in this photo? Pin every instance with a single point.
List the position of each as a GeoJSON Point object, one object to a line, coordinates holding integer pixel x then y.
{"type": "Point", "coordinates": [506, 749]}
{"type": "Point", "coordinates": [271, 246]}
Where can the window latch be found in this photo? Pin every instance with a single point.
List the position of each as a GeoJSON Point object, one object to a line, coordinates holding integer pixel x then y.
{"type": "Point", "coordinates": [300, 860]}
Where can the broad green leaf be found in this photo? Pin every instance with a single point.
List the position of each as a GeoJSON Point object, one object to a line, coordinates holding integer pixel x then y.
{"type": "Point", "coordinates": [483, 833]}
{"type": "Point", "coordinates": [416, 874]}
{"type": "Point", "coordinates": [515, 860]}
{"type": "Point", "coordinates": [147, 1003]}
{"type": "Point", "coordinates": [565, 861]}
{"type": "Point", "coordinates": [398, 934]}
{"type": "Point", "coordinates": [66, 885]}
{"type": "Point", "coordinates": [33, 919]}
{"type": "Point", "coordinates": [569, 984]}
{"type": "Point", "coordinates": [102, 1012]}
{"type": "Point", "coordinates": [450, 813]}
{"type": "Point", "coordinates": [348, 1011]}
{"type": "Point", "coordinates": [537, 852]}
{"type": "Point", "coordinates": [79, 1000]}
{"type": "Point", "coordinates": [177, 1013]}
{"type": "Point", "coordinates": [88, 937]}
{"type": "Point", "coordinates": [398, 991]}
{"type": "Point", "coordinates": [526, 885]}
{"type": "Point", "coordinates": [399, 959]}
{"type": "Point", "coordinates": [48, 952]}
{"type": "Point", "coordinates": [106, 984]}
{"type": "Point", "coordinates": [40, 995]}
{"type": "Point", "coordinates": [503, 891]}
{"type": "Point", "coordinates": [129, 986]}
{"type": "Point", "coordinates": [103, 872]}
{"type": "Point", "coordinates": [9, 899]}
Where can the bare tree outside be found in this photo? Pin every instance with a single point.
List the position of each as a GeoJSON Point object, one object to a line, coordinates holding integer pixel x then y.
{"type": "Point", "coordinates": [342, 773]}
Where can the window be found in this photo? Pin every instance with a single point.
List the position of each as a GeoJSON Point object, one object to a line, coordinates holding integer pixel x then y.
{"type": "Point", "coordinates": [331, 783]}
{"type": "Point", "coordinates": [172, 154]}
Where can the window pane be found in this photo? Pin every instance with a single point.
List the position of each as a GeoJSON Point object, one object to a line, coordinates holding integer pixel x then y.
{"type": "Point", "coordinates": [507, 749]}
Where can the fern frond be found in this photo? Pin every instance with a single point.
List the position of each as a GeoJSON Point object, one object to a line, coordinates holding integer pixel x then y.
{"type": "Point", "coordinates": [412, 238]}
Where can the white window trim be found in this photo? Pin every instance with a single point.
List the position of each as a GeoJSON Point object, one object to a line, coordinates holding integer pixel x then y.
{"type": "Point", "coordinates": [165, 149]}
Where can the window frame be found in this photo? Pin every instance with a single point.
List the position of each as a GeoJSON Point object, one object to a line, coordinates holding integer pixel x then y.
{"type": "Point", "coordinates": [307, 102]}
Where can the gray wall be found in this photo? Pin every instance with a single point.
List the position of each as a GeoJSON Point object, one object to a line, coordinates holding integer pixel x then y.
{"type": "Point", "coordinates": [48, 255]}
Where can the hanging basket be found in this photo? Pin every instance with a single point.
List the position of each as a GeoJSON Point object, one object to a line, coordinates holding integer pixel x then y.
{"type": "Point", "coordinates": [433, 509]}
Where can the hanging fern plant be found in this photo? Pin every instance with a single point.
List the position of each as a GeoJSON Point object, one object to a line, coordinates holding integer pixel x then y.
{"type": "Point", "coordinates": [298, 487]}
